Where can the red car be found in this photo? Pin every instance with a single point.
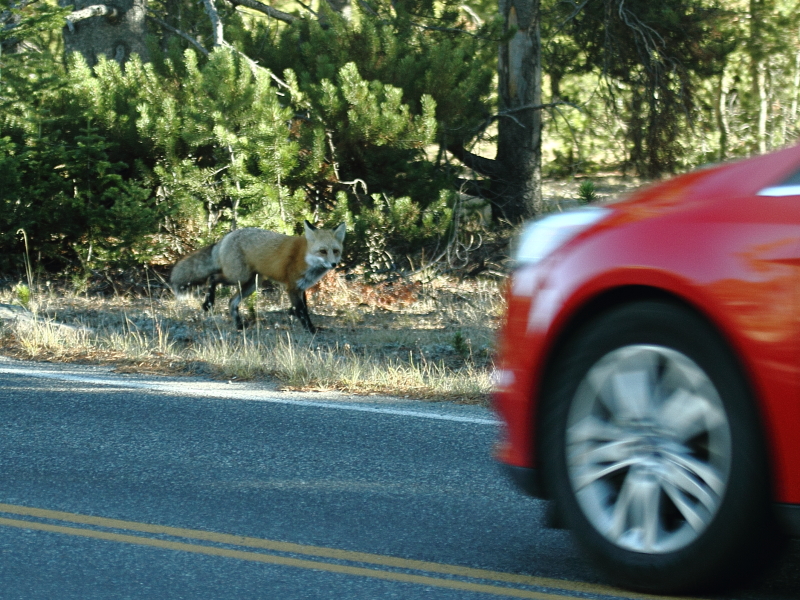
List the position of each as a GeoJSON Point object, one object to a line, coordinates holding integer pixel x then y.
{"type": "Point", "coordinates": [649, 373]}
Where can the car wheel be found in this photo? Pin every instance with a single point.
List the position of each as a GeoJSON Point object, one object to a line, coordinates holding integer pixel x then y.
{"type": "Point", "coordinates": [651, 449]}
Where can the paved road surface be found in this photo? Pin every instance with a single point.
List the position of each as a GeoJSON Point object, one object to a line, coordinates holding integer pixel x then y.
{"type": "Point", "coordinates": [132, 487]}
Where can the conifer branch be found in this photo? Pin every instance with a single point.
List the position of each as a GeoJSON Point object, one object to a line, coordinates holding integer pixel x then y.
{"type": "Point", "coordinates": [10, 19]}
{"type": "Point", "coordinates": [9, 14]}
{"type": "Point", "coordinates": [446, 30]}
{"type": "Point", "coordinates": [368, 7]}
{"type": "Point", "coordinates": [254, 66]}
{"type": "Point", "coordinates": [178, 32]}
{"type": "Point", "coordinates": [267, 10]}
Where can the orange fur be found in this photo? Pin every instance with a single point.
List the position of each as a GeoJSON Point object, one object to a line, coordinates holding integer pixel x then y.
{"type": "Point", "coordinates": [298, 262]}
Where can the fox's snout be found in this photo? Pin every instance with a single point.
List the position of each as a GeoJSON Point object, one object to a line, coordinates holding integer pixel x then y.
{"type": "Point", "coordinates": [322, 262]}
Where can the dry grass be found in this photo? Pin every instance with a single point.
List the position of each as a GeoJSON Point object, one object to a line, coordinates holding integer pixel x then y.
{"type": "Point", "coordinates": [428, 340]}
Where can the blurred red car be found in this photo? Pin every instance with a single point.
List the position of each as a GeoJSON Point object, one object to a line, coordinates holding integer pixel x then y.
{"type": "Point", "coordinates": [649, 372]}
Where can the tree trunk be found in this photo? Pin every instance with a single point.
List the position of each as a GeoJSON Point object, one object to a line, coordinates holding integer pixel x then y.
{"type": "Point", "coordinates": [117, 31]}
{"type": "Point", "coordinates": [519, 144]}
{"type": "Point", "coordinates": [758, 70]}
{"type": "Point", "coordinates": [721, 110]}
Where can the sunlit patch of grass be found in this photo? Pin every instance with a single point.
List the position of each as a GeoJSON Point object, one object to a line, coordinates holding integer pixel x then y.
{"type": "Point", "coordinates": [302, 367]}
{"type": "Point", "coordinates": [137, 344]}
{"type": "Point", "coordinates": [38, 336]}
{"type": "Point", "coordinates": [430, 339]}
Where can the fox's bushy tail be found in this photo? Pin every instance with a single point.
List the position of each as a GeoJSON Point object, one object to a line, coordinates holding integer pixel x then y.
{"type": "Point", "coordinates": [193, 269]}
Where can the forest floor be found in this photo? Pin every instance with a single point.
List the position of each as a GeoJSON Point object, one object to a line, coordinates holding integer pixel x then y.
{"type": "Point", "coordinates": [427, 336]}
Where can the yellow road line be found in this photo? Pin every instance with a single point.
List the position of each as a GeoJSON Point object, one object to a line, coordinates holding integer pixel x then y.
{"type": "Point", "coordinates": [284, 561]}
{"type": "Point", "coordinates": [321, 552]}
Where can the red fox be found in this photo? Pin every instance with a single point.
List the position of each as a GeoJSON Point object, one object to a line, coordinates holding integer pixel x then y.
{"type": "Point", "coordinates": [298, 262]}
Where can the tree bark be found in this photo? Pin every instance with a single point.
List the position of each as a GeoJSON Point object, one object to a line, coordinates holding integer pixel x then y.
{"type": "Point", "coordinates": [515, 175]}
{"type": "Point", "coordinates": [758, 70]}
{"type": "Point", "coordinates": [115, 29]}
{"type": "Point", "coordinates": [519, 145]}
{"type": "Point", "coordinates": [721, 110]}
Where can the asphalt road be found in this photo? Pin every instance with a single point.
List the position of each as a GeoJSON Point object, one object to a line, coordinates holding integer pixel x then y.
{"type": "Point", "coordinates": [115, 486]}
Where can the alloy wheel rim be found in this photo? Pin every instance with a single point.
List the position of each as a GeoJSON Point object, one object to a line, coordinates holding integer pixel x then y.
{"type": "Point", "coordinates": [648, 448]}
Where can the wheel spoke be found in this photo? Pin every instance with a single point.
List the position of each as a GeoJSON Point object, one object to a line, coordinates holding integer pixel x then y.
{"type": "Point", "coordinates": [686, 484]}
{"type": "Point", "coordinates": [710, 476]}
{"type": "Point", "coordinates": [635, 517]}
{"type": "Point", "coordinates": [619, 517]}
{"type": "Point", "coordinates": [588, 475]}
{"type": "Point", "coordinates": [592, 429]}
{"type": "Point", "coordinates": [601, 454]}
{"type": "Point", "coordinates": [632, 394]}
{"type": "Point", "coordinates": [647, 431]}
{"type": "Point", "coordinates": [646, 503]}
{"type": "Point", "coordinates": [686, 415]}
{"type": "Point", "coordinates": [689, 511]}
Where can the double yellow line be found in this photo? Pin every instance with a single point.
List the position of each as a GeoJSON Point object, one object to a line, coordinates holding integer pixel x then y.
{"type": "Point", "coordinates": [319, 557]}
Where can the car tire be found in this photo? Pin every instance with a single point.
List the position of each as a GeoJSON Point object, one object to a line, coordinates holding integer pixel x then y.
{"type": "Point", "coordinates": [652, 450]}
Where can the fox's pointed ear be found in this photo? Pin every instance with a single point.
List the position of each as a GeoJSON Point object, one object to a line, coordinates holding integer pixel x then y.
{"type": "Point", "coordinates": [339, 233]}
{"type": "Point", "coordinates": [309, 229]}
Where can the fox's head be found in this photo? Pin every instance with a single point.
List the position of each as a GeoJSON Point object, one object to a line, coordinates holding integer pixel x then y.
{"type": "Point", "coordinates": [324, 246]}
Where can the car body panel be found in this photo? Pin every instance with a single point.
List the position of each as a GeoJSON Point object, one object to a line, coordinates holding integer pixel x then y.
{"type": "Point", "coordinates": [706, 239]}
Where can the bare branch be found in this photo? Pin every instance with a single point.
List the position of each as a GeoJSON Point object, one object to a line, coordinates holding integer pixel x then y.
{"type": "Point", "coordinates": [308, 8]}
{"type": "Point", "coordinates": [95, 10]}
{"type": "Point", "coordinates": [267, 10]}
{"type": "Point", "coordinates": [472, 15]}
{"type": "Point", "coordinates": [485, 166]}
{"type": "Point", "coordinates": [577, 8]}
{"type": "Point", "coordinates": [182, 34]}
{"type": "Point", "coordinates": [216, 22]}
{"type": "Point", "coordinates": [508, 112]}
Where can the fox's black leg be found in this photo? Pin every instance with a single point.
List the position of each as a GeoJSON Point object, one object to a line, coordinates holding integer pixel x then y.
{"type": "Point", "coordinates": [208, 302]}
{"type": "Point", "coordinates": [247, 289]}
{"type": "Point", "coordinates": [300, 309]}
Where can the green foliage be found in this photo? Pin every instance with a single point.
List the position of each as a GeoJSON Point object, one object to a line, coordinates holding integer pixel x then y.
{"type": "Point", "coordinates": [461, 345]}
{"type": "Point", "coordinates": [332, 120]}
{"type": "Point", "coordinates": [381, 237]}
{"type": "Point", "coordinates": [23, 294]}
{"type": "Point", "coordinates": [385, 86]}
{"type": "Point", "coordinates": [658, 52]}
{"type": "Point", "coordinates": [112, 164]}
{"type": "Point", "coordinates": [587, 192]}
{"type": "Point", "coordinates": [667, 86]}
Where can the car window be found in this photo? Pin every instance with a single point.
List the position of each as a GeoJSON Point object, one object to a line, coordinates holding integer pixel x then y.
{"type": "Point", "coordinates": [789, 187]}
